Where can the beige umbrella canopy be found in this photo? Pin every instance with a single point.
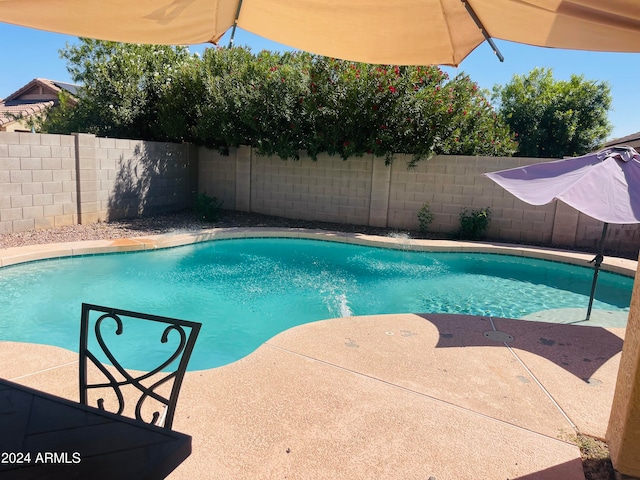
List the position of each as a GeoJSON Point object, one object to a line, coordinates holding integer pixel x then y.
{"type": "Point", "coordinates": [404, 32]}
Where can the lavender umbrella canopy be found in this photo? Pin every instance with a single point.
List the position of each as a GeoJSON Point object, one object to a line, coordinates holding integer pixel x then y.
{"type": "Point", "coordinates": [604, 185]}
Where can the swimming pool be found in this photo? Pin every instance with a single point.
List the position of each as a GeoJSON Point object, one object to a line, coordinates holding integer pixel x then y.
{"type": "Point", "coordinates": [245, 291]}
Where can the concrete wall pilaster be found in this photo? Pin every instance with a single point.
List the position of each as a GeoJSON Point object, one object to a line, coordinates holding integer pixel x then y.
{"type": "Point", "coordinates": [379, 201]}
{"type": "Point", "coordinates": [243, 179]}
{"type": "Point", "coordinates": [565, 225]}
{"type": "Point", "coordinates": [87, 182]}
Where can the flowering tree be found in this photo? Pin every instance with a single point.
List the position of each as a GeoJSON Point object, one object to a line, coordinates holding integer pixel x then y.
{"type": "Point", "coordinates": [283, 104]}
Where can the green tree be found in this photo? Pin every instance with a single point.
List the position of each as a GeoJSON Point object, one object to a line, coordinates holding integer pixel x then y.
{"type": "Point", "coordinates": [64, 118]}
{"type": "Point", "coordinates": [122, 88]}
{"type": "Point", "coordinates": [555, 118]}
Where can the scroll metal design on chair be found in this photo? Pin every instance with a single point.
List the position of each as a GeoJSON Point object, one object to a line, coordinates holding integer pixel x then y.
{"type": "Point", "coordinates": [187, 331]}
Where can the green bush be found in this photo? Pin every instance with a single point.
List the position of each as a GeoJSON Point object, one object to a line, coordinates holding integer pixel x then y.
{"type": "Point", "coordinates": [425, 217]}
{"type": "Point", "coordinates": [208, 208]}
{"type": "Point", "coordinates": [278, 103]}
{"type": "Point", "coordinates": [474, 223]}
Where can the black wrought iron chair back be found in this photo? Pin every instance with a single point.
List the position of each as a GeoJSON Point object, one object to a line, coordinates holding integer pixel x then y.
{"type": "Point", "coordinates": [146, 385]}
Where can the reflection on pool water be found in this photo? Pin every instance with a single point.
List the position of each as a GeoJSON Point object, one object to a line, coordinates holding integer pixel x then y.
{"type": "Point", "coordinates": [245, 291]}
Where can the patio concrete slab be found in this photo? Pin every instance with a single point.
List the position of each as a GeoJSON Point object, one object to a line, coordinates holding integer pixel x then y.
{"type": "Point", "coordinates": [301, 417]}
{"type": "Point", "coordinates": [442, 356]}
{"type": "Point", "coordinates": [576, 364]}
{"type": "Point", "coordinates": [392, 396]}
{"type": "Point", "coordinates": [19, 359]}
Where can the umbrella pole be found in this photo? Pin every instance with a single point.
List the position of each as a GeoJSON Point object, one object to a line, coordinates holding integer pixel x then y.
{"type": "Point", "coordinates": [597, 261]}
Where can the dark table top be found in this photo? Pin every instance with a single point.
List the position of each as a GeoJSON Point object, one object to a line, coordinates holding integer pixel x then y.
{"type": "Point", "coordinates": [47, 437]}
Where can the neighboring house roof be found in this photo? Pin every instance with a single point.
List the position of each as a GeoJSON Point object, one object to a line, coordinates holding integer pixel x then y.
{"type": "Point", "coordinates": [35, 97]}
{"type": "Point", "coordinates": [632, 140]}
{"type": "Point", "coordinates": [8, 114]}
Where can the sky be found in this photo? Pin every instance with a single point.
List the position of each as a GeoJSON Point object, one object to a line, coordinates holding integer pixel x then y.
{"type": "Point", "coordinates": [30, 53]}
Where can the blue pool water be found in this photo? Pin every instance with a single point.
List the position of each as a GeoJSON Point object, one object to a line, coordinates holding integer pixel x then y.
{"type": "Point", "coordinates": [246, 291]}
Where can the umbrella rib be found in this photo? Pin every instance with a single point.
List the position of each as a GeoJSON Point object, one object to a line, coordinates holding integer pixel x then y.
{"type": "Point", "coordinates": [235, 24]}
{"type": "Point", "coordinates": [486, 35]}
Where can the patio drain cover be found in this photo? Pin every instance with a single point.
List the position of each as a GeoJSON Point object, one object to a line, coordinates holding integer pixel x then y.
{"type": "Point", "coordinates": [498, 336]}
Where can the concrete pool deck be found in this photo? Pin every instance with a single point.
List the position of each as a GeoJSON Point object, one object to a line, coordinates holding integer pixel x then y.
{"type": "Point", "coordinates": [405, 396]}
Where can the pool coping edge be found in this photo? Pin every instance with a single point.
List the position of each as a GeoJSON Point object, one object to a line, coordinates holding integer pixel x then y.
{"type": "Point", "coordinates": [29, 253]}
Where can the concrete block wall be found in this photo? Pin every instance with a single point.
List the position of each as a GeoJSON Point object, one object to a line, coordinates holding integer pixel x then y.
{"type": "Point", "coordinates": [122, 178]}
{"type": "Point", "coordinates": [620, 238]}
{"type": "Point", "coordinates": [452, 184]}
{"type": "Point", "coordinates": [37, 181]}
{"type": "Point", "coordinates": [55, 180]}
{"type": "Point", "coordinates": [217, 175]}
{"type": "Point", "coordinates": [365, 191]}
{"type": "Point", "coordinates": [329, 189]}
